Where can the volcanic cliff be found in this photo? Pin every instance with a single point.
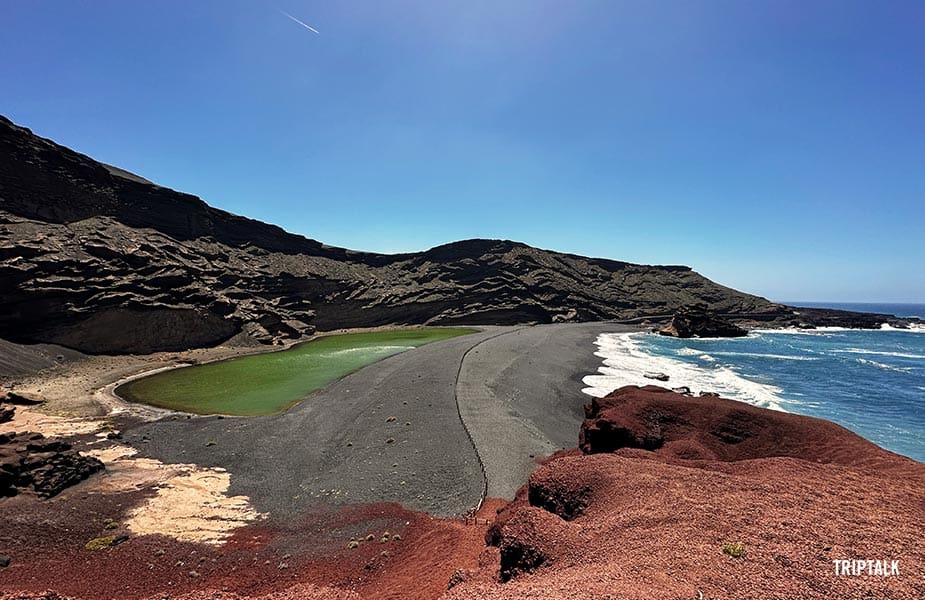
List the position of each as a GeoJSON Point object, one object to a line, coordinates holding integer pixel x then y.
{"type": "Point", "coordinates": [100, 260]}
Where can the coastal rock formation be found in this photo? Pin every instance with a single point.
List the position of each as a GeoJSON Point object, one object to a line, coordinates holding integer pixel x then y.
{"type": "Point", "coordinates": [678, 497]}
{"type": "Point", "coordinates": [699, 321]}
{"type": "Point", "coordinates": [28, 461]}
{"type": "Point", "coordinates": [100, 260]}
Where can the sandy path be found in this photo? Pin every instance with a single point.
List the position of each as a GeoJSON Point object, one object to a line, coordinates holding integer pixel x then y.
{"type": "Point", "coordinates": [520, 396]}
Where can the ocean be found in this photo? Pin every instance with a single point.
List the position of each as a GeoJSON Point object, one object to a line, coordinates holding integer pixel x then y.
{"type": "Point", "coordinates": [872, 382]}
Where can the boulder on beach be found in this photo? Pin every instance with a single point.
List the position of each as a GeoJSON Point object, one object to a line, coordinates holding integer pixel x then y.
{"type": "Point", "coordinates": [699, 321]}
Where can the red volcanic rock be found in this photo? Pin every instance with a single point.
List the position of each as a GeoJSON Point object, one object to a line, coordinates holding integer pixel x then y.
{"type": "Point", "coordinates": [717, 429]}
{"type": "Point", "coordinates": [668, 480]}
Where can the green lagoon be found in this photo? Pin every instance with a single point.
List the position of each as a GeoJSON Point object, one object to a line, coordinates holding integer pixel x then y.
{"type": "Point", "coordinates": [262, 384]}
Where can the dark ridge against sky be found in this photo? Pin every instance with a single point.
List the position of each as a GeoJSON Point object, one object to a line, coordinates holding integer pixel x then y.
{"type": "Point", "coordinates": [776, 147]}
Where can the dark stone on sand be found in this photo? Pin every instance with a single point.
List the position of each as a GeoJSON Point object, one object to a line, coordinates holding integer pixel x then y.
{"type": "Point", "coordinates": [45, 467]}
{"type": "Point", "coordinates": [699, 321]}
{"type": "Point", "coordinates": [5, 561]}
{"type": "Point", "coordinates": [20, 399]}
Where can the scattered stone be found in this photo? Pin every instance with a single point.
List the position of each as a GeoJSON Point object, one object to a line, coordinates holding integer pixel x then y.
{"type": "Point", "coordinates": [6, 414]}
{"type": "Point", "coordinates": [656, 376]}
{"type": "Point", "coordinates": [459, 576]}
{"type": "Point", "coordinates": [390, 419]}
{"type": "Point", "coordinates": [5, 561]}
{"type": "Point", "coordinates": [390, 441]}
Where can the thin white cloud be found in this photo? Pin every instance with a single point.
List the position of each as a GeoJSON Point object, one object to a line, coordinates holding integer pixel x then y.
{"type": "Point", "coordinates": [303, 24]}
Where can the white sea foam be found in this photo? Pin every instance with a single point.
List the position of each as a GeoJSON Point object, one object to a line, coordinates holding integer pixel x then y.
{"type": "Point", "coordinates": [625, 363]}
{"type": "Point", "coordinates": [818, 331]}
{"type": "Point", "coordinates": [879, 353]}
{"type": "Point", "coordinates": [913, 328]}
{"type": "Point", "coordinates": [771, 356]}
{"type": "Point", "coordinates": [873, 363]}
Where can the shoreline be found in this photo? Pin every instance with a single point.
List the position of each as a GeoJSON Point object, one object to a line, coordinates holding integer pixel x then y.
{"type": "Point", "coordinates": [775, 368]}
{"type": "Point", "coordinates": [508, 396]}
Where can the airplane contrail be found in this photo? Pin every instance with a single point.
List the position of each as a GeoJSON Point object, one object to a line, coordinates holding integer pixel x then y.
{"type": "Point", "coordinates": [305, 25]}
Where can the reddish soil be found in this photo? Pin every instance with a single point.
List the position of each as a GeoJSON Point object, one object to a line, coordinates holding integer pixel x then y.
{"type": "Point", "coordinates": [662, 482]}
{"type": "Point", "coordinates": [626, 522]}
{"type": "Point", "coordinates": [46, 539]}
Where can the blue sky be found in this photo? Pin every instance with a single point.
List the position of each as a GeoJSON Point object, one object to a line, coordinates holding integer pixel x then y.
{"type": "Point", "coordinates": [776, 147]}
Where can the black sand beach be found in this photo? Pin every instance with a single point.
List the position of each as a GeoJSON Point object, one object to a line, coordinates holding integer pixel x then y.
{"type": "Point", "coordinates": [341, 445]}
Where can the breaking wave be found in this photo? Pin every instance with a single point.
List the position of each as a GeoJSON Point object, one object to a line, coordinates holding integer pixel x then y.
{"type": "Point", "coordinates": [626, 363]}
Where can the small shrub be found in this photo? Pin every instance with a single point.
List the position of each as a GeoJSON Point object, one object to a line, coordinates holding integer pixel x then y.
{"type": "Point", "coordinates": [100, 543]}
{"type": "Point", "coordinates": [735, 550]}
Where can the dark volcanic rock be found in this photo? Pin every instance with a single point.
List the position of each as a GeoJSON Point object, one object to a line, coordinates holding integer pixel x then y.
{"type": "Point", "coordinates": [699, 321]}
{"type": "Point", "coordinates": [28, 461]}
{"type": "Point", "coordinates": [101, 260]}
{"type": "Point", "coordinates": [20, 399]}
{"type": "Point", "coordinates": [6, 413]}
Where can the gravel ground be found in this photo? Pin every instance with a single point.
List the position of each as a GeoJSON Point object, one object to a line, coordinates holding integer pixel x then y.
{"type": "Point", "coordinates": [519, 394]}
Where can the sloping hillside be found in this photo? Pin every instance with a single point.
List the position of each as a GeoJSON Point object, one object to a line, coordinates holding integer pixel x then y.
{"type": "Point", "coordinates": [101, 260]}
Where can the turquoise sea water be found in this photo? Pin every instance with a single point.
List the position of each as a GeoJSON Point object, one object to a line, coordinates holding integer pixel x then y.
{"type": "Point", "coordinates": [872, 382]}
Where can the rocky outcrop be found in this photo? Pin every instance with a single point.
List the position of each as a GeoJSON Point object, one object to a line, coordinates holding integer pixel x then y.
{"type": "Point", "coordinates": [676, 426]}
{"type": "Point", "coordinates": [678, 497]}
{"type": "Point", "coordinates": [30, 462]}
{"type": "Point", "coordinates": [700, 321]}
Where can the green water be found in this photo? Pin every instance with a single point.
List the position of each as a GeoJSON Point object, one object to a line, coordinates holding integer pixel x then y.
{"type": "Point", "coordinates": [267, 383]}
